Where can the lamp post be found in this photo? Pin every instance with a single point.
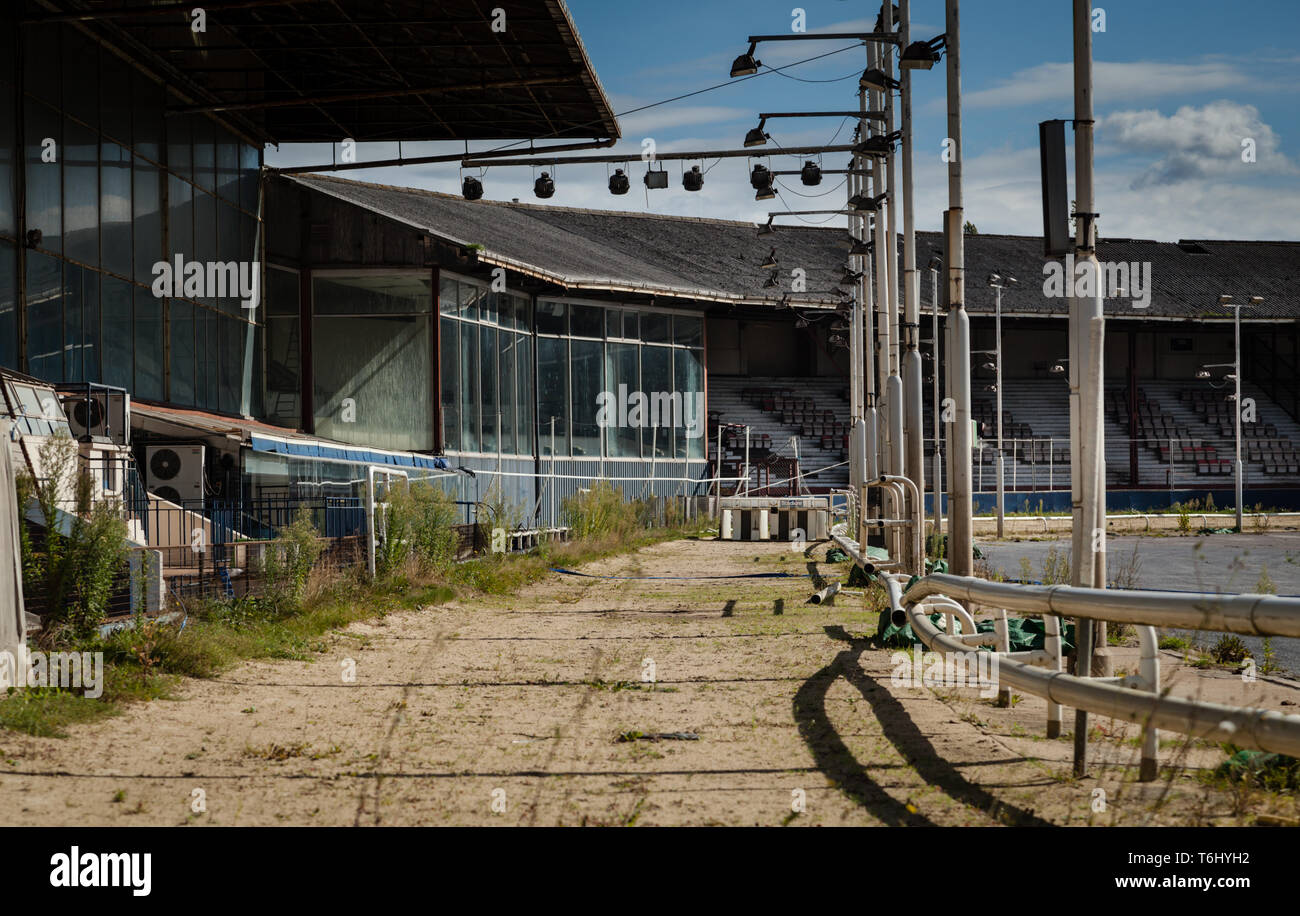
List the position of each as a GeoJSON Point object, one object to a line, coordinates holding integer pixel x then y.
{"type": "Point", "coordinates": [935, 263]}
{"type": "Point", "coordinates": [999, 282]}
{"type": "Point", "coordinates": [1232, 303]}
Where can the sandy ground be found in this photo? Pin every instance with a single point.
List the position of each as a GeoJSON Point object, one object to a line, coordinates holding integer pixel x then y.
{"type": "Point", "coordinates": [511, 711]}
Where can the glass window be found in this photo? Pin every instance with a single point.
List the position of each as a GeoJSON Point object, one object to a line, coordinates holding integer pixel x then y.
{"type": "Point", "coordinates": [115, 209]}
{"type": "Point", "coordinates": [469, 299]}
{"type": "Point", "coordinates": [81, 324]}
{"type": "Point", "coordinates": [147, 204]}
{"type": "Point", "coordinates": [657, 387]}
{"type": "Point", "coordinates": [227, 167]}
{"type": "Point", "coordinates": [44, 316]}
{"type": "Point", "coordinates": [552, 394]}
{"type": "Point", "coordinates": [8, 142]}
{"type": "Point", "coordinates": [507, 343]}
{"type": "Point", "coordinates": [524, 393]}
{"type": "Point", "coordinates": [8, 305]}
{"type": "Point", "coordinates": [209, 358]}
{"type": "Point", "coordinates": [249, 175]}
{"type": "Point", "coordinates": [447, 295]}
{"type": "Point", "coordinates": [44, 179]}
{"type": "Point", "coordinates": [80, 77]}
{"type": "Point", "coordinates": [205, 163]}
{"type": "Point", "coordinates": [469, 426]}
{"type": "Point", "coordinates": [205, 234]}
{"type": "Point", "coordinates": [41, 49]}
{"type": "Point", "coordinates": [630, 330]}
{"type": "Point", "coordinates": [587, 321]}
{"type": "Point", "coordinates": [551, 317]}
{"type": "Point", "coordinates": [488, 387]}
{"type": "Point", "coordinates": [181, 332]}
{"type": "Point", "coordinates": [614, 322]}
{"type": "Point", "coordinates": [506, 310]}
{"type": "Point", "coordinates": [148, 346]}
{"type": "Point", "coordinates": [283, 359]}
{"type": "Point", "coordinates": [372, 294]}
{"type": "Point", "coordinates": [283, 291]}
{"type": "Point", "coordinates": [80, 156]}
{"type": "Point", "coordinates": [655, 327]}
{"type": "Point", "coordinates": [231, 365]}
{"type": "Point", "coordinates": [688, 381]}
{"type": "Point", "coordinates": [622, 379]}
{"type": "Point", "coordinates": [179, 151]}
{"type": "Point", "coordinates": [688, 331]}
{"type": "Point", "coordinates": [449, 369]}
{"type": "Point", "coordinates": [180, 218]}
{"type": "Point", "coordinates": [115, 99]}
{"type": "Point", "coordinates": [588, 366]}
{"type": "Point", "coordinates": [487, 307]}
{"type": "Point", "coordinates": [116, 307]}
{"type": "Point", "coordinates": [147, 128]}
{"type": "Point", "coordinates": [523, 313]}
{"type": "Point", "coordinates": [372, 380]}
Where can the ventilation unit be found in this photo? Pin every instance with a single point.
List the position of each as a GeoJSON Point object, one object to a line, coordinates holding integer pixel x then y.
{"type": "Point", "coordinates": [98, 413]}
{"type": "Point", "coordinates": [175, 472]}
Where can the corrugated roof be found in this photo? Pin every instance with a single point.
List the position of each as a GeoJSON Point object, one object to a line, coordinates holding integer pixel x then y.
{"type": "Point", "coordinates": [596, 249]}
{"type": "Point", "coordinates": [381, 70]}
{"type": "Point", "coordinates": [719, 259]}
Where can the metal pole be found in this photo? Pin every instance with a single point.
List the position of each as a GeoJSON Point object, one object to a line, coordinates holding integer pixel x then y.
{"type": "Point", "coordinates": [1236, 322]}
{"type": "Point", "coordinates": [961, 554]}
{"type": "Point", "coordinates": [913, 419]}
{"type": "Point", "coordinates": [552, 486]}
{"type": "Point", "coordinates": [937, 487]}
{"type": "Point", "coordinates": [1087, 338]}
{"type": "Point", "coordinates": [997, 385]}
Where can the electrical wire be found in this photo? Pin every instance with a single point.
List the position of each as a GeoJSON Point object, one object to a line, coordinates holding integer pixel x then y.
{"type": "Point", "coordinates": [800, 194]}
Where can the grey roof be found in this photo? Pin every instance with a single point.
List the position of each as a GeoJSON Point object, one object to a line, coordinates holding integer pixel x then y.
{"type": "Point", "coordinates": [597, 249]}
{"type": "Point", "coordinates": [719, 260]}
{"type": "Point", "coordinates": [1187, 277]}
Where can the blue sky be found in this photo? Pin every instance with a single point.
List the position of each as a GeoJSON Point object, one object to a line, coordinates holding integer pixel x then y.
{"type": "Point", "coordinates": [1178, 87]}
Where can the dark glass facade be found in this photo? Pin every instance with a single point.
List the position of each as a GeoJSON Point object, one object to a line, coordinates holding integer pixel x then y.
{"type": "Point", "coordinates": [110, 188]}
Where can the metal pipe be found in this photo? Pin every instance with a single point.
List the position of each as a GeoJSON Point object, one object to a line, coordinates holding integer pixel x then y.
{"type": "Point", "coordinates": [826, 594]}
{"type": "Point", "coordinates": [1247, 615]}
{"type": "Point", "coordinates": [997, 385]}
{"type": "Point", "coordinates": [444, 157]}
{"type": "Point", "coordinates": [472, 160]}
{"type": "Point", "coordinates": [1245, 727]}
{"type": "Point", "coordinates": [917, 516]}
{"type": "Point", "coordinates": [961, 543]}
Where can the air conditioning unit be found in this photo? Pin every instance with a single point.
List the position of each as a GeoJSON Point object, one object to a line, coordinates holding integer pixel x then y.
{"type": "Point", "coordinates": [99, 413]}
{"type": "Point", "coordinates": [175, 472]}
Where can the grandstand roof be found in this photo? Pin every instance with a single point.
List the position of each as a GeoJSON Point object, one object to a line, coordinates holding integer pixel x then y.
{"type": "Point", "coordinates": [718, 260]}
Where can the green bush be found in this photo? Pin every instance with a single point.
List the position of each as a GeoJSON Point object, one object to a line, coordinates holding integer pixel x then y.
{"type": "Point", "coordinates": [75, 571]}
{"type": "Point", "coordinates": [1229, 650]}
{"type": "Point", "coordinates": [602, 511]}
{"type": "Point", "coordinates": [289, 560]}
{"type": "Point", "coordinates": [418, 528]}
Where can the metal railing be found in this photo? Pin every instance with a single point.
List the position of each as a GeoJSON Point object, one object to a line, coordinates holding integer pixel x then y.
{"type": "Point", "coordinates": [1140, 698]}
{"type": "Point", "coordinates": [1043, 462]}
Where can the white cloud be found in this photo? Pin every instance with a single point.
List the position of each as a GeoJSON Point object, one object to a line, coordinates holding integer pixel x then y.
{"type": "Point", "coordinates": [1054, 82]}
{"type": "Point", "coordinates": [1195, 143]}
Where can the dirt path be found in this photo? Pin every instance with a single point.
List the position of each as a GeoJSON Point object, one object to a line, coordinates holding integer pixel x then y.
{"type": "Point", "coordinates": [510, 712]}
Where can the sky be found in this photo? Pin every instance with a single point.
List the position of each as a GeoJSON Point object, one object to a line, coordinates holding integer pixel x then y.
{"type": "Point", "coordinates": [1179, 85]}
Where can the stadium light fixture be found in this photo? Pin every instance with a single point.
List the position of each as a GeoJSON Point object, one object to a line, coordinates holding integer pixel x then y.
{"type": "Point", "coordinates": [757, 136]}
{"type": "Point", "coordinates": [922, 55]}
{"type": "Point", "coordinates": [471, 188]}
{"type": "Point", "coordinates": [544, 186]}
{"type": "Point", "coordinates": [746, 64]}
{"type": "Point", "coordinates": [693, 180]}
{"type": "Point", "coordinates": [876, 80]}
{"type": "Point", "coordinates": [770, 261]}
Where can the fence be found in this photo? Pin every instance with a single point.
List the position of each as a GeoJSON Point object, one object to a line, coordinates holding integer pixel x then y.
{"type": "Point", "coordinates": [1043, 463]}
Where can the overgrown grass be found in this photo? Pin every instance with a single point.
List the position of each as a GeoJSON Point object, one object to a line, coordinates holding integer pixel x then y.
{"type": "Point", "coordinates": [291, 620]}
